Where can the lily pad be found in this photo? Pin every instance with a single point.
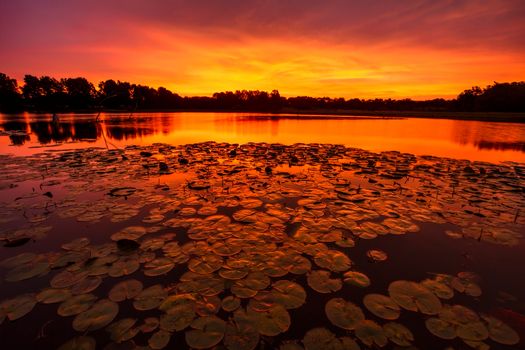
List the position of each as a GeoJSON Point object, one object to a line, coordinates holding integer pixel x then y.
{"type": "Point", "coordinates": [414, 297]}
{"type": "Point", "coordinates": [271, 322]}
{"type": "Point", "coordinates": [320, 281]}
{"type": "Point", "coordinates": [356, 278]}
{"type": "Point", "coordinates": [127, 289]}
{"type": "Point", "coordinates": [76, 304]}
{"type": "Point", "coordinates": [343, 314]}
{"type": "Point", "coordinates": [398, 334]}
{"type": "Point", "coordinates": [333, 260]}
{"type": "Point", "coordinates": [370, 333]}
{"type": "Point", "coordinates": [381, 306]}
{"type": "Point", "coordinates": [207, 332]}
{"type": "Point", "coordinates": [79, 343]}
{"type": "Point", "coordinates": [18, 307]}
{"type": "Point", "coordinates": [98, 316]}
{"type": "Point", "coordinates": [159, 339]}
{"type": "Point", "coordinates": [150, 298]}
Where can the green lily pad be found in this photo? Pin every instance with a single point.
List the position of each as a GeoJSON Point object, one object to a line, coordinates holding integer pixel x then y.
{"type": "Point", "coordinates": [333, 260]}
{"type": "Point", "coordinates": [179, 312]}
{"type": "Point", "coordinates": [376, 255]}
{"type": "Point", "coordinates": [127, 289]}
{"type": "Point", "coordinates": [398, 334]}
{"type": "Point", "coordinates": [271, 322]}
{"type": "Point", "coordinates": [474, 331]}
{"type": "Point", "coordinates": [159, 339]}
{"type": "Point", "coordinates": [76, 304]}
{"type": "Point", "coordinates": [122, 330]}
{"type": "Point", "coordinates": [230, 303]}
{"type": "Point", "coordinates": [18, 307]}
{"type": "Point", "coordinates": [440, 289]}
{"type": "Point", "coordinates": [500, 332]}
{"type": "Point", "coordinates": [414, 297]}
{"type": "Point", "coordinates": [381, 306]}
{"type": "Point", "coordinates": [241, 333]}
{"type": "Point", "coordinates": [158, 266]}
{"type": "Point", "coordinates": [150, 298]}
{"type": "Point", "coordinates": [356, 278]}
{"type": "Point", "coordinates": [207, 332]}
{"type": "Point", "coordinates": [320, 281]}
{"type": "Point", "coordinates": [66, 279]}
{"type": "Point", "coordinates": [441, 328]}
{"type": "Point", "coordinates": [86, 285]}
{"type": "Point", "coordinates": [27, 270]}
{"type": "Point", "coordinates": [150, 324]}
{"type": "Point", "coordinates": [132, 233]}
{"type": "Point", "coordinates": [79, 343]}
{"type": "Point", "coordinates": [322, 338]}
{"type": "Point", "coordinates": [53, 295]}
{"type": "Point", "coordinates": [288, 294]}
{"type": "Point", "coordinates": [98, 316]}
{"type": "Point", "coordinates": [370, 333]}
{"type": "Point", "coordinates": [343, 314]}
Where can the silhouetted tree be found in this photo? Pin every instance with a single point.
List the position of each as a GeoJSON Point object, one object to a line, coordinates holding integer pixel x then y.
{"type": "Point", "coordinates": [80, 93]}
{"type": "Point", "coordinates": [10, 98]}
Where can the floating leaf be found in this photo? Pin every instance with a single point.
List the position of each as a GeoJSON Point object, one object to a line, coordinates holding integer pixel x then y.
{"type": "Point", "coordinates": [376, 255]}
{"type": "Point", "coordinates": [398, 334]}
{"type": "Point", "coordinates": [414, 297]}
{"type": "Point", "coordinates": [271, 322]}
{"type": "Point", "coordinates": [381, 306]}
{"type": "Point", "coordinates": [332, 260]}
{"type": "Point", "coordinates": [159, 266]}
{"type": "Point", "coordinates": [127, 289]}
{"type": "Point", "coordinates": [500, 332]}
{"type": "Point", "coordinates": [150, 298]}
{"type": "Point", "coordinates": [86, 285]}
{"type": "Point", "coordinates": [207, 332]}
{"type": "Point", "coordinates": [76, 304]}
{"type": "Point", "coordinates": [122, 330]}
{"type": "Point", "coordinates": [322, 338]}
{"type": "Point", "coordinates": [241, 334]}
{"type": "Point", "coordinates": [79, 343]}
{"type": "Point", "coordinates": [179, 312]}
{"type": "Point", "coordinates": [320, 281]}
{"type": "Point", "coordinates": [343, 314]}
{"type": "Point", "coordinates": [371, 333]}
{"type": "Point", "coordinates": [98, 316]}
{"type": "Point", "coordinates": [441, 328]}
{"type": "Point", "coordinates": [18, 307]}
{"type": "Point", "coordinates": [53, 295]}
{"type": "Point", "coordinates": [159, 339]}
{"type": "Point", "coordinates": [231, 303]}
{"type": "Point", "coordinates": [356, 278]}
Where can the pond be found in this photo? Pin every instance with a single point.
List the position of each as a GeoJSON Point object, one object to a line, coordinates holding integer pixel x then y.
{"type": "Point", "coordinates": [473, 140]}
{"type": "Point", "coordinates": [137, 234]}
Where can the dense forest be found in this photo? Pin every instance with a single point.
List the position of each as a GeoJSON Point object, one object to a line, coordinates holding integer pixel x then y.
{"type": "Point", "coordinates": [47, 94]}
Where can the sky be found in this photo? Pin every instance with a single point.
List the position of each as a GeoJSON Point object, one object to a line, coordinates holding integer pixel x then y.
{"type": "Point", "coordinates": [340, 48]}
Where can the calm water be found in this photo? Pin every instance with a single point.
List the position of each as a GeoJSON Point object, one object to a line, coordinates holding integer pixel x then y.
{"type": "Point", "coordinates": [482, 141]}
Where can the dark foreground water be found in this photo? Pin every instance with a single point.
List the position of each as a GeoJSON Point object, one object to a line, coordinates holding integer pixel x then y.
{"type": "Point", "coordinates": [258, 246]}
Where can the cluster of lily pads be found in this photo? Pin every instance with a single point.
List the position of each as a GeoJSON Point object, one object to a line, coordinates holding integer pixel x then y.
{"type": "Point", "coordinates": [223, 242]}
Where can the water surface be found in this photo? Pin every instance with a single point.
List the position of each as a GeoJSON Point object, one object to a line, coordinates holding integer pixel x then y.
{"type": "Point", "coordinates": [473, 140]}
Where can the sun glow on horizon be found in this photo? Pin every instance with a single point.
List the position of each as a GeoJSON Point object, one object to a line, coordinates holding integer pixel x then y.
{"type": "Point", "coordinates": [294, 55]}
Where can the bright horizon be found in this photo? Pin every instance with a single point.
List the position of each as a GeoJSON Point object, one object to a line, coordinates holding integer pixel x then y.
{"type": "Point", "coordinates": [413, 49]}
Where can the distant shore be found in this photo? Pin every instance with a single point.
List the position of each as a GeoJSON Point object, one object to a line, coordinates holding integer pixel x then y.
{"type": "Point", "coordinates": [289, 113]}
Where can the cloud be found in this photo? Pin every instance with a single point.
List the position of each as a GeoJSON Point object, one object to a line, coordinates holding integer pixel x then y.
{"type": "Point", "coordinates": [416, 48]}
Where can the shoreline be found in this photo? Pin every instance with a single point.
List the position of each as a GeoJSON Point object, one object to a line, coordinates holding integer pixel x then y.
{"type": "Point", "coordinates": [285, 113]}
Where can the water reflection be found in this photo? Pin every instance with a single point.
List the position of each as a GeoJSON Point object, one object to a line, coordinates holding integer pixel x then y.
{"type": "Point", "coordinates": [474, 140]}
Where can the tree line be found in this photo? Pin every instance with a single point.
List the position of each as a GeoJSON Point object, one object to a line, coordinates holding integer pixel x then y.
{"type": "Point", "coordinates": [47, 94]}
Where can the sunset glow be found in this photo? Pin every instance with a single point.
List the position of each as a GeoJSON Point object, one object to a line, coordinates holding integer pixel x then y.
{"type": "Point", "coordinates": [417, 49]}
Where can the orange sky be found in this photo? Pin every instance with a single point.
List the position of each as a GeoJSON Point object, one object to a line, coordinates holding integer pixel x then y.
{"type": "Point", "coordinates": [416, 49]}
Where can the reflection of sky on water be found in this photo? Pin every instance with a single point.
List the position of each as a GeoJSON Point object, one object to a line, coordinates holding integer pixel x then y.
{"type": "Point", "coordinates": [486, 141]}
